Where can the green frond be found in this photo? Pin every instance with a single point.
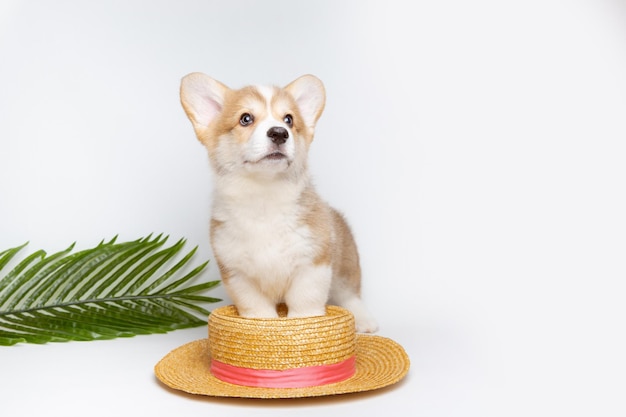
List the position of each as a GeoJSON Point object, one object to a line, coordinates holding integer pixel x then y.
{"type": "Point", "coordinates": [112, 290]}
{"type": "Point", "coordinates": [7, 255]}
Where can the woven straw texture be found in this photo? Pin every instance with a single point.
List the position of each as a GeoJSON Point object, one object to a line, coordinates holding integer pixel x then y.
{"type": "Point", "coordinates": [280, 344]}
{"type": "Point", "coordinates": [380, 361]}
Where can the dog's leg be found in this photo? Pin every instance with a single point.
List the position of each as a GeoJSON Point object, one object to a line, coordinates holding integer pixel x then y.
{"type": "Point", "coordinates": [308, 292]}
{"type": "Point", "coordinates": [343, 295]}
{"type": "Point", "coordinates": [249, 299]}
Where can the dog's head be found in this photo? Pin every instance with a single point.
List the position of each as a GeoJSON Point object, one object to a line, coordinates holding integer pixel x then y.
{"type": "Point", "coordinates": [256, 128]}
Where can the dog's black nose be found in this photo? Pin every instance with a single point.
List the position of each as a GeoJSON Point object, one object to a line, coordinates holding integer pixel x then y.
{"type": "Point", "coordinates": [278, 135]}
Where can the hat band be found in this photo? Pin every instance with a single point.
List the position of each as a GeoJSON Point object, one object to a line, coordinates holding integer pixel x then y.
{"type": "Point", "coordinates": [310, 376]}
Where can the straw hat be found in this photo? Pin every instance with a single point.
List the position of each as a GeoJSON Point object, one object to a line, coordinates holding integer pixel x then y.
{"type": "Point", "coordinates": [283, 357]}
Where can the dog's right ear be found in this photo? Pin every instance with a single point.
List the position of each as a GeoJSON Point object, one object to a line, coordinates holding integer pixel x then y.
{"type": "Point", "coordinates": [202, 98]}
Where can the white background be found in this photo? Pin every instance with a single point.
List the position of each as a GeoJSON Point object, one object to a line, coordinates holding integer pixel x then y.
{"type": "Point", "coordinates": [477, 148]}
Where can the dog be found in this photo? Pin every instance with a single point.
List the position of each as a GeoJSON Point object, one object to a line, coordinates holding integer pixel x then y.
{"type": "Point", "coordinates": [274, 239]}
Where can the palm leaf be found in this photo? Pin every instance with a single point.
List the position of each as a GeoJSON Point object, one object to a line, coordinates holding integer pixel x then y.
{"type": "Point", "coordinates": [112, 290]}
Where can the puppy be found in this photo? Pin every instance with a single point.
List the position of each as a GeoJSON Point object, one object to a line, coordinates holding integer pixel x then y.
{"type": "Point", "coordinates": [274, 239]}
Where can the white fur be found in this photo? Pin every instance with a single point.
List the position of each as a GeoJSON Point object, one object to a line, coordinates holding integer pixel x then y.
{"type": "Point", "coordinates": [265, 240]}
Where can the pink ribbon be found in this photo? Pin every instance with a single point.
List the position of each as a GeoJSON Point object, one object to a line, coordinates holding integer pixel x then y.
{"type": "Point", "coordinates": [310, 376]}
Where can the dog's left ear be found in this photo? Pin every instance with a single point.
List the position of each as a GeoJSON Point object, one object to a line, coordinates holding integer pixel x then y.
{"type": "Point", "coordinates": [310, 95]}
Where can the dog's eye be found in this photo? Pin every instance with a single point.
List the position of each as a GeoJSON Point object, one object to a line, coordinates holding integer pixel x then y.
{"type": "Point", "coordinates": [246, 119]}
{"type": "Point", "coordinates": [288, 119]}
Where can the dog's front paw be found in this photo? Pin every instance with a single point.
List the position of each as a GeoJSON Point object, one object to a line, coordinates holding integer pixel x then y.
{"type": "Point", "coordinates": [366, 325]}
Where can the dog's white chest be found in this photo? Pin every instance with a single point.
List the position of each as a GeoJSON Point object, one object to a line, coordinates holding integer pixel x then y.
{"type": "Point", "coordinates": [263, 240]}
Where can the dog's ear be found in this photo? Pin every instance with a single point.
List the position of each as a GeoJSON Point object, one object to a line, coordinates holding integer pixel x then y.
{"type": "Point", "coordinates": [309, 93]}
{"type": "Point", "coordinates": [202, 98]}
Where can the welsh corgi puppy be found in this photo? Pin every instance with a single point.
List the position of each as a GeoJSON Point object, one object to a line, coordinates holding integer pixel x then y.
{"type": "Point", "coordinates": [274, 239]}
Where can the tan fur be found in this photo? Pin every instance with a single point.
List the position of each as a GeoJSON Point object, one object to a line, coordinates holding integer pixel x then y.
{"type": "Point", "coordinates": [347, 259]}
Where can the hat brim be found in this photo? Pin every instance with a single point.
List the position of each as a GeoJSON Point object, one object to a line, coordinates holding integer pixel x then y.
{"type": "Point", "coordinates": [380, 362]}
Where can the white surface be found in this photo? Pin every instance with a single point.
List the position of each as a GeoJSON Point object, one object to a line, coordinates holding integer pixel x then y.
{"type": "Point", "coordinates": [477, 149]}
